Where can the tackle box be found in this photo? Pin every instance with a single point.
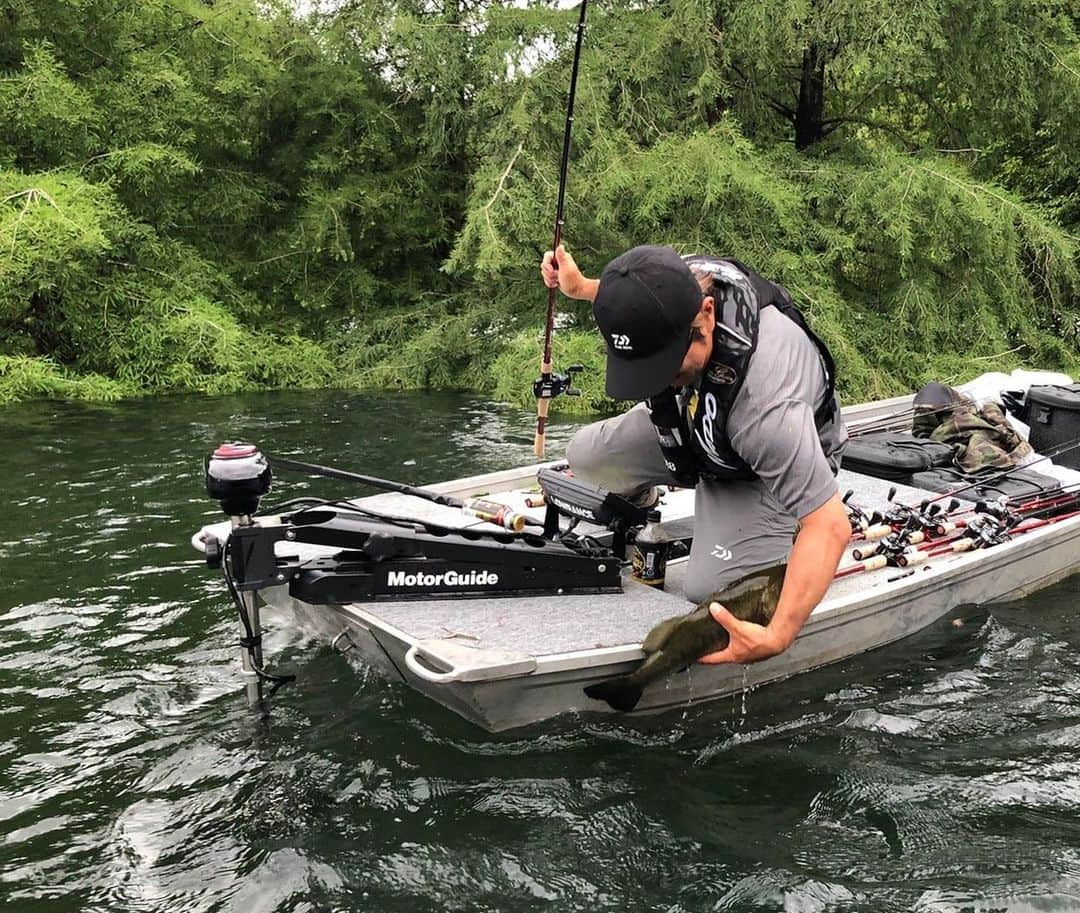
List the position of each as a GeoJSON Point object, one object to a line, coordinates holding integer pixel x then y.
{"type": "Point", "coordinates": [1019, 483]}
{"type": "Point", "coordinates": [1053, 414]}
{"type": "Point", "coordinates": [893, 455]}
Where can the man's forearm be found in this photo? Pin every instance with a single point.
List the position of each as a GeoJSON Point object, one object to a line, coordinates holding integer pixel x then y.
{"type": "Point", "coordinates": [811, 569]}
{"type": "Point", "coordinates": [586, 289]}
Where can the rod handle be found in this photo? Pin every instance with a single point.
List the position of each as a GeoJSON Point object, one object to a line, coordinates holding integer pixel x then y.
{"type": "Point", "coordinates": [541, 426]}
{"type": "Point", "coordinates": [491, 512]}
{"type": "Point", "coordinates": [864, 552]}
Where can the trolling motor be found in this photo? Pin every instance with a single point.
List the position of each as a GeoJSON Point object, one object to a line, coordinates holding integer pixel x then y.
{"type": "Point", "coordinates": [574, 498]}
{"type": "Point", "coordinates": [380, 557]}
{"type": "Point", "coordinates": [237, 477]}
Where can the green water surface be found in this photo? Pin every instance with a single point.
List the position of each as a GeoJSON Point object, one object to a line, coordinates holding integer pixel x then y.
{"type": "Point", "coordinates": [940, 774]}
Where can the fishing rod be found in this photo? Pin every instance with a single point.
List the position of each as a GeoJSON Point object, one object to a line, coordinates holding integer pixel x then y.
{"type": "Point", "coordinates": [991, 531]}
{"type": "Point", "coordinates": [488, 511]}
{"type": "Point", "coordinates": [932, 519]}
{"type": "Point", "coordinates": [886, 422]}
{"type": "Point", "coordinates": [550, 385]}
{"type": "Point", "coordinates": [929, 531]}
{"type": "Point", "coordinates": [988, 534]}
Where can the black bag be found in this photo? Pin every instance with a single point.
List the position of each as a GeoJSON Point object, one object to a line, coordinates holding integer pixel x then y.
{"type": "Point", "coordinates": [1020, 483]}
{"type": "Point", "coordinates": [893, 456]}
{"type": "Point", "coordinates": [1053, 413]}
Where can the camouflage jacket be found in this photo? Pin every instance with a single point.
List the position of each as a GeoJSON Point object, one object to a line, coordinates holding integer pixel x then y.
{"type": "Point", "coordinates": [982, 438]}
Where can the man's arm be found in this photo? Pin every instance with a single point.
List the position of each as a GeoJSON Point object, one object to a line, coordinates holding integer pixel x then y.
{"type": "Point", "coordinates": [560, 271]}
{"type": "Point", "coordinates": [823, 535]}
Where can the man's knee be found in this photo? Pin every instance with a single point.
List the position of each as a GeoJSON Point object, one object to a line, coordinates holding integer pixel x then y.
{"type": "Point", "coordinates": [699, 587]}
{"type": "Point", "coordinates": [586, 459]}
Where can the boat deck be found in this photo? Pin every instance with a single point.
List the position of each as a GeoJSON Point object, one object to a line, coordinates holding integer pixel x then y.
{"type": "Point", "coordinates": [560, 624]}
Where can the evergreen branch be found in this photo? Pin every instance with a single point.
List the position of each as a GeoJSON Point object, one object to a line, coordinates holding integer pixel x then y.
{"type": "Point", "coordinates": [1005, 201]}
{"type": "Point", "coordinates": [32, 195]}
{"type": "Point", "coordinates": [934, 106]}
{"type": "Point", "coordinates": [499, 189]}
{"type": "Point", "coordinates": [1061, 62]}
{"type": "Point", "coordinates": [998, 355]}
{"type": "Point", "coordinates": [852, 109]}
{"type": "Point", "coordinates": [780, 107]}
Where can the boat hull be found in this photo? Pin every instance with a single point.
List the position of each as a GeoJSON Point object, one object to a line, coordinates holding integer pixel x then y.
{"type": "Point", "coordinates": [497, 700]}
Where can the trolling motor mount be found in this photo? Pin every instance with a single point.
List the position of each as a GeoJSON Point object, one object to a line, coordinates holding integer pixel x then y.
{"type": "Point", "coordinates": [577, 499]}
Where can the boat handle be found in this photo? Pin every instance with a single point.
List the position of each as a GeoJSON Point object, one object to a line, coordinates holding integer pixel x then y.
{"type": "Point", "coordinates": [421, 671]}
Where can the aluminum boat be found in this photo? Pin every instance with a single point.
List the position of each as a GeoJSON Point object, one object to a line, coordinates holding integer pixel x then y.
{"type": "Point", "coordinates": [509, 662]}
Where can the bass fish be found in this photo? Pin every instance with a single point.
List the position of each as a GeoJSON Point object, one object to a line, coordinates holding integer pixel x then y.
{"type": "Point", "coordinates": [677, 642]}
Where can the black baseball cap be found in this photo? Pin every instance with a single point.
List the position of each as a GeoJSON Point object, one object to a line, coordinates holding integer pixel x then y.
{"type": "Point", "coordinates": [647, 300]}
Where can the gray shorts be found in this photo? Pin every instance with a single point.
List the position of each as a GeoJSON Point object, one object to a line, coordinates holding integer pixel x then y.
{"type": "Point", "coordinates": [739, 527]}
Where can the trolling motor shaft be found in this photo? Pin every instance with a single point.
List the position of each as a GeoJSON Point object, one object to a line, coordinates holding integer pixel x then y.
{"type": "Point", "coordinates": [237, 476]}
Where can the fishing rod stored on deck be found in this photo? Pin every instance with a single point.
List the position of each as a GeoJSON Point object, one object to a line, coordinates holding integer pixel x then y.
{"type": "Point", "coordinates": [488, 511]}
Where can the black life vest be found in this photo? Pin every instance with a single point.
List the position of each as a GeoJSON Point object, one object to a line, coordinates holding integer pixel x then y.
{"type": "Point", "coordinates": [698, 447]}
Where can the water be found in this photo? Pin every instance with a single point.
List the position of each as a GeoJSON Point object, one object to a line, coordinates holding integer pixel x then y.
{"type": "Point", "coordinates": [941, 774]}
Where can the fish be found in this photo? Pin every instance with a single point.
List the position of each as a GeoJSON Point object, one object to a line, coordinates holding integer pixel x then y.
{"type": "Point", "coordinates": [675, 643]}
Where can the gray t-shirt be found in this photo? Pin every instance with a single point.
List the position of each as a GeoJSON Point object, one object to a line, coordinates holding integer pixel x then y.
{"type": "Point", "coordinates": [771, 423]}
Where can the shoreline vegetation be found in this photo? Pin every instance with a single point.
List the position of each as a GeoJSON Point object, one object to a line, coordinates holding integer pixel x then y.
{"type": "Point", "coordinates": [233, 196]}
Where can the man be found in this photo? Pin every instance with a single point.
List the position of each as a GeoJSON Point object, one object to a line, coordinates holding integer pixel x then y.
{"type": "Point", "coordinates": [738, 402]}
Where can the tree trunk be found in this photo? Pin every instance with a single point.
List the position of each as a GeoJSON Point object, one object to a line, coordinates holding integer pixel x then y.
{"type": "Point", "coordinates": [811, 110]}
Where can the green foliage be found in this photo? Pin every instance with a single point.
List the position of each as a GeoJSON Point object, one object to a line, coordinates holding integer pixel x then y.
{"type": "Point", "coordinates": [219, 196]}
{"type": "Point", "coordinates": [439, 346]}
{"type": "Point", "coordinates": [517, 361]}
{"type": "Point", "coordinates": [24, 377]}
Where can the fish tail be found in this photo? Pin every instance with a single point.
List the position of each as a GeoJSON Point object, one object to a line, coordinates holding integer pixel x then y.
{"type": "Point", "coordinates": [620, 693]}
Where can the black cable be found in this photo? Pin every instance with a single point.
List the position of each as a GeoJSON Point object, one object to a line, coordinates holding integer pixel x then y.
{"type": "Point", "coordinates": [250, 642]}
{"type": "Point", "coordinates": [284, 505]}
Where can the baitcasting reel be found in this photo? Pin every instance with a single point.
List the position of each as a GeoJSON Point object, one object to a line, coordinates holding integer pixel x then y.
{"type": "Point", "coordinates": [557, 384]}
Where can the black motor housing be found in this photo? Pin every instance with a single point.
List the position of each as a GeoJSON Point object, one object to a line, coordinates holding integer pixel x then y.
{"type": "Point", "coordinates": [237, 475]}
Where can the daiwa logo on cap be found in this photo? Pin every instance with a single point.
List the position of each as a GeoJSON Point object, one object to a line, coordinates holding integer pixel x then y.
{"type": "Point", "coordinates": [621, 342]}
{"type": "Point", "coordinates": [447, 578]}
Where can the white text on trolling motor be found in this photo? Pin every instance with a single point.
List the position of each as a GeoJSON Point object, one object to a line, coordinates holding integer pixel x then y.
{"type": "Point", "coordinates": [448, 578]}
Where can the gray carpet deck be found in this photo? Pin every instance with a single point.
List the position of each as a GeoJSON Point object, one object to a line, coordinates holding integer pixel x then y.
{"type": "Point", "coordinates": [560, 624]}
